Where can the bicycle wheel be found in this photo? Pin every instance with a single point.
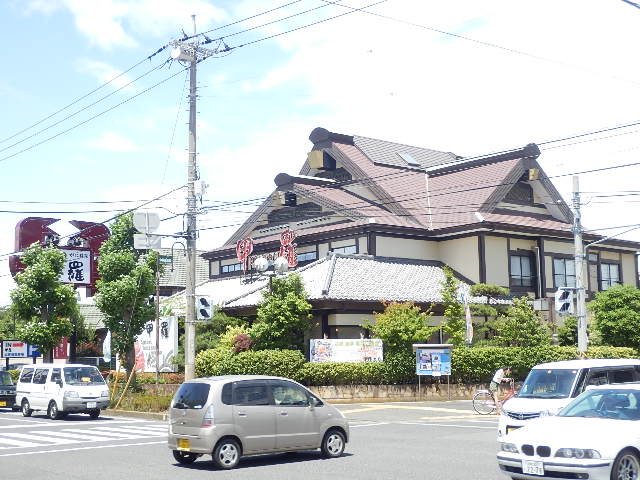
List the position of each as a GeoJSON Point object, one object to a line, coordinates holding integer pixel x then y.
{"type": "Point", "coordinates": [483, 403]}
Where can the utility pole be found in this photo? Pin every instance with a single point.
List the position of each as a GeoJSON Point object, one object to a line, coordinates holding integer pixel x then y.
{"type": "Point", "coordinates": [191, 52]}
{"type": "Point", "coordinates": [581, 310]}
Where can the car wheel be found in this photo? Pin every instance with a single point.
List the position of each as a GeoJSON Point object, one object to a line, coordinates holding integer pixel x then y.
{"type": "Point", "coordinates": [52, 412]}
{"type": "Point", "coordinates": [226, 454]}
{"type": "Point", "coordinates": [185, 458]}
{"type": "Point", "coordinates": [94, 413]}
{"type": "Point", "coordinates": [626, 466]}
{"type": "Point", "coordinates": [333, 444]}
{"type": "Point", "coordinates": [26, 410]}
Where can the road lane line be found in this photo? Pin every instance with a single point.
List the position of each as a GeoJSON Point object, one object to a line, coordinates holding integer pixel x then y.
{"type": "Point", "coordinates": [126, 431]}
{"type": "Point", "coordinates": [79, 438]}
{"type": "Point", "coordinates": [17, 443]}
{"type": "Point", "coordinates": [38, 438]}
{"type": "Point", "coordinates": [369, 425]}
{"type": "Point", "coordinates": [445, 425]}
{"type": "Point", "coordinates": [40, 452]}
{"type": "Point", "coordinates": [115, 436]}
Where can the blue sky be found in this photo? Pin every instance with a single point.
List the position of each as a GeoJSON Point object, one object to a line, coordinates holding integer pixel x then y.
{"type": "Point", "coordinates": [525, 72]}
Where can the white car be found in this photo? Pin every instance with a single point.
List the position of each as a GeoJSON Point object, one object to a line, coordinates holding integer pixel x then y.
{"type": "Point", "coordinates": [596, 436]}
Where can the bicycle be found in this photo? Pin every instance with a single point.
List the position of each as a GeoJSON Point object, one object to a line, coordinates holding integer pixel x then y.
{"type": "Point", "coordinates": [483, 400]}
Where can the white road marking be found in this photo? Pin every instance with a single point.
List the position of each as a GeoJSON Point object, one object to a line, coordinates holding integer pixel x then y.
{"type": "Point", "coordinates": [445, 425]}
{"type": "Point", "coordinates": [36, 424]}
{"type": "Point", "coordinates": [38, 438]}
{"type": "Point", "coordinates": [369, 424]}
{"type": "Point", "coordinates": [18, 443]}
{"type": "Point", "coordinates": [98, 431]}
{"type": "Point", "coordinates": [127, 431]}
{"type": "Point", "coordinates": [79, 438]}
{"type": "Point", "coordinates": [40, 452]}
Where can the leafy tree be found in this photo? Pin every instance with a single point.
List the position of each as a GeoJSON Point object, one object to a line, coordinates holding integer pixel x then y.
{"type": "Point", "coordinates": [400, 326]}
{"type": "Point", "coordinates": [522, 327]}
{"type": "Point", "coordinates": [283, 315]}
{"type": "Point", "coordinates": [8, 324]}
{"type": "Point", "coordinates": [617, 316]}
{"type": "Point", "coordinates": [455, 325]}
{"type": "Point", "coordinates": [41, 300]}
{"type": "Point", "coordinates": [127, 280]}
{"type": "Point", "coordinates": [491, 312]}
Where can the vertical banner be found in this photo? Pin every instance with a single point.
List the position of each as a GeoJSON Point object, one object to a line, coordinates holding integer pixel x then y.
{"type": "Point", "coordinates": [61, 351]}
{"type": "Point", "coordinates": [145, 346]}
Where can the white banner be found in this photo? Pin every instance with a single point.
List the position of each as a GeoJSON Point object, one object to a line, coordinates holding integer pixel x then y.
{"type": "Point", "coordinates": [346, 350]}
{"type": "Point", "coordinates": [145, 346]}
{"type": "Point", "coordinates": [77, 266]}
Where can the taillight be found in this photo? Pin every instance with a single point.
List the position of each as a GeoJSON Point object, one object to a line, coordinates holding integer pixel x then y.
{"type": "Point", "coordinates": [207, 420]}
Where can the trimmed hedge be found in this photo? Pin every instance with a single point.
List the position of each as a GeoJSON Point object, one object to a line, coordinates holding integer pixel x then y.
{"type": "Point", "coordinates": [469, 365]}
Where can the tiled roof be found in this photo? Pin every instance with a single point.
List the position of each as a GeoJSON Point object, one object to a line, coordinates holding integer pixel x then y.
{"type": "Point", "coordinates": [387, 153]}
{"type": "Point", "coordinates": [92, 314]}
{"type": "Point", "coordinates": [364, 278]}
{"type": "Point", "coordinates": [175, 275]}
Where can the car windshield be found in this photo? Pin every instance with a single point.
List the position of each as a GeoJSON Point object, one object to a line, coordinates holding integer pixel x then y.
{"type": "Point", "coordinates": [548, 383]}
{"type": "Point", "coordinates": [605, 403]}
{"type": "Point", "coordinates": [5, 378]}
{"type": "Point", "coordinates": [82, 376]}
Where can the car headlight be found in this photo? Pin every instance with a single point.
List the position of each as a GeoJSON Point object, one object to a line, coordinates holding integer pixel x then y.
{"type": "Point", "coordinates": [71, 394]}
{"type": "Point", "coordinates": [578, 453]}
{"type": "Point", "coordinates": [509, 447]}
{"type": "Point", "coordinates": [105, 393]}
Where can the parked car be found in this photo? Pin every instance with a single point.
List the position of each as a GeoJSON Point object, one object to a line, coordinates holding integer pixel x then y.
{"type": "Point", "coordinates": [7, 391]}
{"type": "Point", "coordinates": [551, 386]}
{"type": "Point", "coordinates": [59, 389]}
{"type": "Point", "coordinates": [595, 437]}
{"type": "Point", "coordinates": [232, 416]}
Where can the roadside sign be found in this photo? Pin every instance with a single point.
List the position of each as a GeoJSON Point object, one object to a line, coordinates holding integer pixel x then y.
{"type": "Point", "coordinates": [34, 351]}
{"type": "Point", "coordinates": [142, 241]}
{"type": "Point", "coordinates": [165, 259]}
{"type": "Point", "coordinates": [14, 349]}
{"type": "Point", "coordinates": [146, 222]}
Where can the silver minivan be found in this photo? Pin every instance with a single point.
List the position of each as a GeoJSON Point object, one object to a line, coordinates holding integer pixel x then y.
{"type": "Point", "coordinates": [236, 415]}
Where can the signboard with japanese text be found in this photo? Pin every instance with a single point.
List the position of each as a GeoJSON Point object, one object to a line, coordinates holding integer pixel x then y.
{"type": "Point", "coordinates": [433, 361]}
{"type": "Point", "coordinates": [14, 349]}
{"type": "Point", "coordinates": [34, 351]}
{"type": "Point", "coordinates": [61, 351]}
{"type": "Point", "coordinates": [346, 350]}
{"type": "Point", "coordinates": [145, 346]}
{"type": "Point", "coordinates": [77, 266]}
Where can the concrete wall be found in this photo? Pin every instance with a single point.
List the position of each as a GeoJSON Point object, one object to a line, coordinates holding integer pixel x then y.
{"type": "Point", "coordinates": [496, 257]}
{"type": "Point", "coordinates": [461, 254]}
{"type": "Point", "coordinates": [407, 248]}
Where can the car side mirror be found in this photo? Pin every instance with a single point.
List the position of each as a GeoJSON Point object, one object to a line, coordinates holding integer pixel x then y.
{"type": "Point", "coordinates": [59, 382]}
{"type": "Point", "coordinates": [312, 403]}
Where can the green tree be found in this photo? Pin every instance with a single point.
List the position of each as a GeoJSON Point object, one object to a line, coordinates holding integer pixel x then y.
{"type": "Point", "coordinates": [522, 327]}
{"type": "Point", "coordinates": [617, 316]}
{"type": "Point", "coordinates": [492, 312]}
{"type": "Point", "coordinates": [400, 326]}
{"type": "Point", "coordinates": [127, 280]}
{"type": "Point", "coordinates": [41, 301]}
{"type": "Point", "coordinates": [283, 315]}
{"type": "Point", "coordinates": [455, 324]}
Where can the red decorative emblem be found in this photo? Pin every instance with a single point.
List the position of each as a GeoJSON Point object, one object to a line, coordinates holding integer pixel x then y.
{"type": "Point", "coordinates": [244, 248]}
{"type": "Point", "coordinates": [288, 248]}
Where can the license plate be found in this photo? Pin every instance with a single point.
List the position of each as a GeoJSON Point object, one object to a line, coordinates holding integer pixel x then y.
{"type": "Point", "coordinates": [183, 444]}
{"type": "Point", "coordinates": [511, 429]}
{"type": "Point", "coordinates": [91, 404]}
{"type": "Point", "coordinates": [3, 404]}
{"type": "Point", "coordinates": [532, 467]}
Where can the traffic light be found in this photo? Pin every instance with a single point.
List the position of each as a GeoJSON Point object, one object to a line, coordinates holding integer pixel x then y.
{"type": "Point", "coordinates": [204, 310]}
{"type": "Point", "coordinates": [564, 301]}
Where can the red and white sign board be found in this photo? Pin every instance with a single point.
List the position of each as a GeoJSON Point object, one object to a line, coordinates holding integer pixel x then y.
{"type": "Point", "coordinates": [14, 349]}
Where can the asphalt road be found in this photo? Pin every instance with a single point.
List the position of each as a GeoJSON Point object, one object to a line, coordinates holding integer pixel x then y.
{"type": "Point", "coordinates": [427, 440]}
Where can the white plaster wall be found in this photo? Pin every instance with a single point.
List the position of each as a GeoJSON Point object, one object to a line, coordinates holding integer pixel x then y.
{"type": "Point", "coordinates": [551, 246]}
{"type": "Point", "coordinates": [337, 319]}
{"type": "Point", "coordinates": [407, 248]}
{"type": "Point", "coordinates": [362, 245]}
{"type": "Point", "coordinates": [522, 244]}
{"type": "Point", "coordinates": [629, 273]}
{"type": "Point", "coordinates": [461, 254]}
{"type": "Point", "coordinates": [323, 248]}
{"type": "Point", "coordinates": [497, 261]}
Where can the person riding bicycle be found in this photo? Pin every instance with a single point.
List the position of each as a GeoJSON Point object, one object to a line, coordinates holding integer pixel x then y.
{"type": "Point", "coordinates": [499, 377]}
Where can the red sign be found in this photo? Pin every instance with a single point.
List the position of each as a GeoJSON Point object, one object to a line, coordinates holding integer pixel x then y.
{"type": "Point", "coordinates": [60, 350]}
{"type": "Point", "coordinates": [288, 248]}
{"type": "Point", "coordinates": [244, 248]}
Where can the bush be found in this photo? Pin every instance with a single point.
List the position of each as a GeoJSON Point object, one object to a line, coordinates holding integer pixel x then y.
{"type": "Point", "coordinates": [148, 378]}
{"type": "Point", "coordinates": [280, 363]}
{"type": "Point", "coordinates": [143, 402]}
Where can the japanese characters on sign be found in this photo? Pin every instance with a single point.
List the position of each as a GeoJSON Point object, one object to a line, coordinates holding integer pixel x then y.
{"type": "Point", "coordinates": [433, 361]}
{"type": "Point", "coordinates": [346, 350]}
{"type": "Point", "coordinates": [14, 349]}
{"type": "Point", "coordinates": [77, 267]}
{"type": "Point", "coordinates": [145, 346]}
{"type": "Point", "coordinates": [288, 248]}
{"type": "Point", "coordinates": [244, 248]}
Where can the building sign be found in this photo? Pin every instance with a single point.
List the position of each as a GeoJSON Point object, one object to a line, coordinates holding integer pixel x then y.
{"type": "Point", "coordinates": [77, 266]}
{"type": "Point", "coordinates": [14, 349]}
{"type": "Point", "coordinates": [346, 350]}
{"type": "Point", "coordinates": [244, 248]}
{"type": "Point", "coordinates": [34, 351]}
{"type": "Point", "coordinates": [145, 346]}
{"type": "Point", "coordinates": [433, 361]}
{"type": "Point", "coordinates": [288, 248]}
{"type": "Point", "coordinates": [61, 351]}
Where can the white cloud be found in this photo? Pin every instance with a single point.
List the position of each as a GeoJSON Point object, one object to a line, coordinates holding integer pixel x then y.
{"type": "Point", "coordinates": [106, 73]}
{"type": "Point", "coordinates": [114, 142]}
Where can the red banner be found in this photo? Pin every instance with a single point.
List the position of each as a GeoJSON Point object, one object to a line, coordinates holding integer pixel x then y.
{"type": "Point", "coordinates": [60, 351]}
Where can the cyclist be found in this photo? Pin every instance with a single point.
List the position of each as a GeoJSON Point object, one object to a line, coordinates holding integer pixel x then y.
{"type": "Point", "coordinates": [499, 377]}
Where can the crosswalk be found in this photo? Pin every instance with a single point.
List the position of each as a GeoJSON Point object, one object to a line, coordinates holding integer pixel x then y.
{"type": "Point", "coordinates": [42, 437]}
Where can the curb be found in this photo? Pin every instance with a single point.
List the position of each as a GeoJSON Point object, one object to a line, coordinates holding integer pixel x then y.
{"type": "Point", "coordinates": [133, 414]}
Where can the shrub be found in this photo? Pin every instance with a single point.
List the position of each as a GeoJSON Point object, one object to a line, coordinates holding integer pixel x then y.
{"type": "Point", "coordinates": [144, 402]}
{"type": "Point", "coordinates": [281, 363]}
{"type": "Point", "coordinates": [148, 378]}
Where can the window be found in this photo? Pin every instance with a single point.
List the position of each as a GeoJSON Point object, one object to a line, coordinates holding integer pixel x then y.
{"type": "Point", "coordinates": [40, 376]}
{"type": "Point", "coordinates": [521, 271]}
{"type": "Point", "coordinates": [82, 376]}
{"type": "Point", "coordinates": [348, 249]}
{"type": "Point", "coordinates": [26, 376]}
{"type": "Point", "coordinates": [621, 376]}
{"type": "Point", "coordinates": [289, 395]}
{"type": "Point", "coordinates": [564, 272]}
{"type": "Point", "coordinates": [55, 376]}
{"type": "Point", "coordinates": [191, 396]}
{"type": "Point", "coordinates": [5, 379]}
{"type": "Point", "coordinates": [609, 275]}
{"type": "Point", "coordinates": [236, 267]}
{"type": "Point", "coordinates": [250, 393]}
{"type": "Point", "coordinates": [306, 257]}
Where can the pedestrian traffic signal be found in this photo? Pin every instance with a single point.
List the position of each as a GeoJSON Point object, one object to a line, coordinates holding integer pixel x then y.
{"type": "Point", "coordinates": [204, 310]}
{"type": "Point", "coordinates": [564, 301]}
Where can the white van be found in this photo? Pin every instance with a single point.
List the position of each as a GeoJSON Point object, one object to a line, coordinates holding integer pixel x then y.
{"type": "Point", "coordinates": [551, 386]}
{"type": "Point", "coordinates": [60, 389]}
